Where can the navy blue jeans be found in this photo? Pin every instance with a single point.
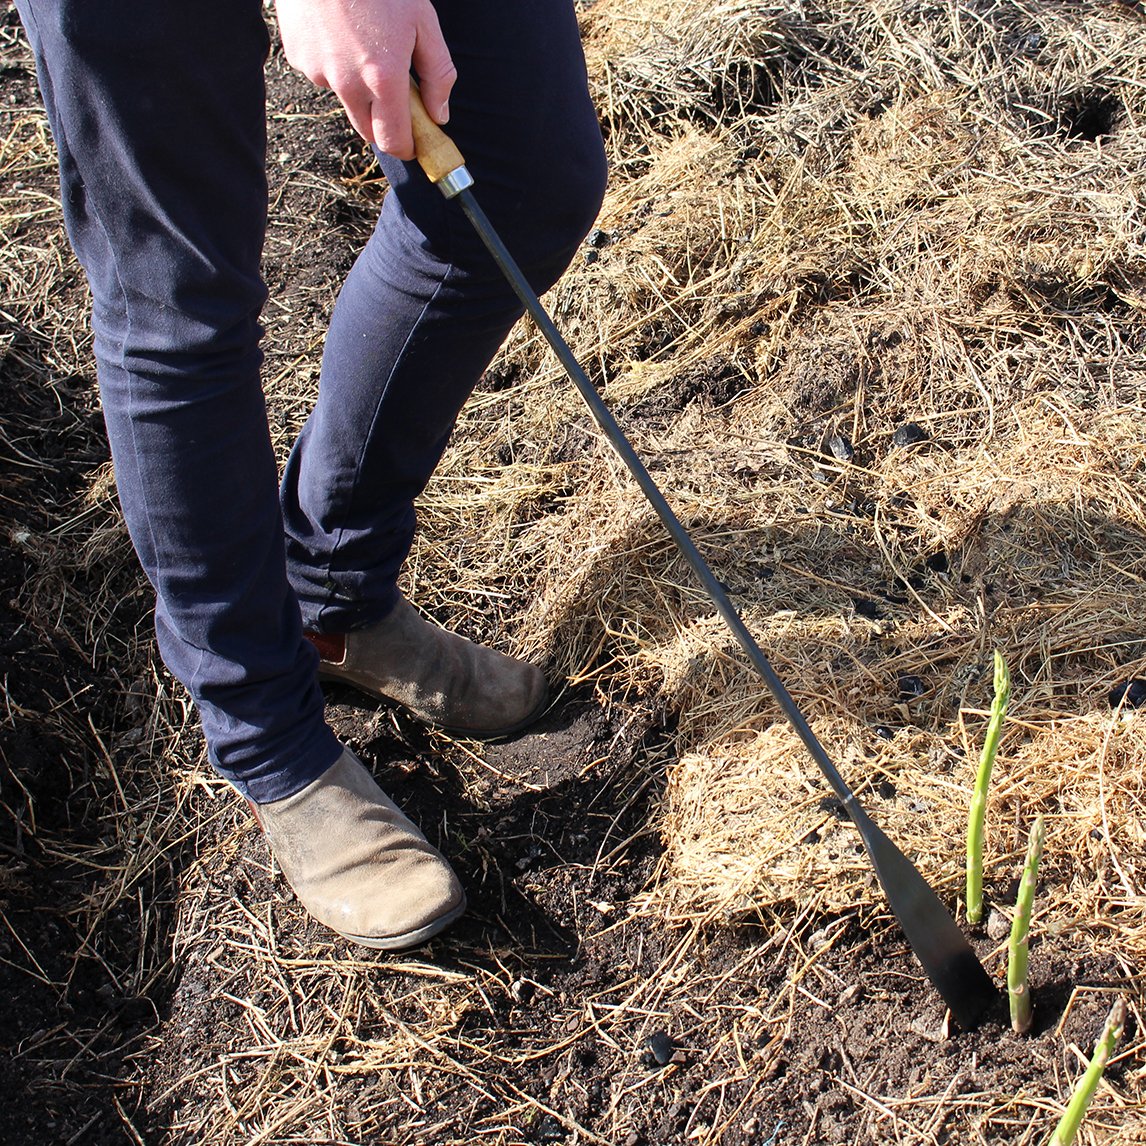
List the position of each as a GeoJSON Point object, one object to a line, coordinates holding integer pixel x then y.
{"type": "Point", "coordinates": [158, 112]}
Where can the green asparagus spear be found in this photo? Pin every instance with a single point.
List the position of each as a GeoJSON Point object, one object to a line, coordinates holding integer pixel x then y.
{"type": "Point", "coordinates": [978, 812]}
{"type": "Point", "coordinates": [1021, 1010]}
{"type": "Point", "coordinates": [1086, 1086]}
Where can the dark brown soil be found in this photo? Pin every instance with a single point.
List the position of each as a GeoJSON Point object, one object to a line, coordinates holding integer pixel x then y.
{"type": "Point", "coordinates": [816, 1036]}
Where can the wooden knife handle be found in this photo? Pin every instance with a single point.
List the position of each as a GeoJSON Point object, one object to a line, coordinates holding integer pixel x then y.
{"type": "Point", "coordinates": [436, 152]}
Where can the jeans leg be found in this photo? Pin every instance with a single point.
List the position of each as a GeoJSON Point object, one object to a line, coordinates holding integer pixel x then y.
{"type": "Point", "coordinates": [158, 111]}
{"type": "Point", "coordinates": [425, 309]}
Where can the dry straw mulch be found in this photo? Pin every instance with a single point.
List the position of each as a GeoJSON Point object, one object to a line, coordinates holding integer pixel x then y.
{"type": "Point", "coordinates": [827, 224]}
{"type": "Point", "coordinates": [822, 226]}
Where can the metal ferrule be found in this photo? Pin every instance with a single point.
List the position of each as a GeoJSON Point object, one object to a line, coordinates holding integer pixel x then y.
{"type": "Point", "coordinates": [457, 181]}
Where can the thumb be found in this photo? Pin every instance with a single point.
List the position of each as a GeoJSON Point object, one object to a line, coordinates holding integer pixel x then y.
{"type": "Point", "coordinates": [434, 67]}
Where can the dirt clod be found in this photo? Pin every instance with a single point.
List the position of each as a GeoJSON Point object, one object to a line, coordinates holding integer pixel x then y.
{"type": "Point", "coordinates": [909, 434]}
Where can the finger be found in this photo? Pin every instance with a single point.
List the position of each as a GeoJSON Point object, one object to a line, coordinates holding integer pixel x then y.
{"type": "Point", "coordinates": [378, 120]}
{"type": "Point", "coordinates": [392, 136]}
{"type": "Point", "coordinates": [358, 112]}
{"type": "Point", "coordinates": [385, 104]}
{"type": "Point", "coordinates": [434, 67]}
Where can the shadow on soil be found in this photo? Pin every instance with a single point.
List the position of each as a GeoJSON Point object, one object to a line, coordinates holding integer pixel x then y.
{"type": "Point", "coordinates": [85, 936]}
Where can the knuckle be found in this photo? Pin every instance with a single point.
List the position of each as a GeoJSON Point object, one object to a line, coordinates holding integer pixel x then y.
{"type": "Point", "coordinates": [440, 74]}
{"type": "Point", "coordinates": [379, 75]}
{"type": "Point", "coordinates": [393, 145]}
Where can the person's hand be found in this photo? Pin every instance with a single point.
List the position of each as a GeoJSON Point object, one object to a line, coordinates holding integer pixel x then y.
{"type": "Point", "coordinates": [363, 50]}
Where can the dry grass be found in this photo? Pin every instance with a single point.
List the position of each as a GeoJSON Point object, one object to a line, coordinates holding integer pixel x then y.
{"type": "Point", "coordinates": [905, 217]}
{"type": "Point", "coordinates": [822, 222]}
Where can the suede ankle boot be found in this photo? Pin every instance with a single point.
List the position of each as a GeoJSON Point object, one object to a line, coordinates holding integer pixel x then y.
{"type": "Point", "coordinates": [357, 864]}
{"type": "Point", "coordinates": [441, 678]}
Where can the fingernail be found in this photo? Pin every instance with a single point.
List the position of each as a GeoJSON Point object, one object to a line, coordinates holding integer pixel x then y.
{"type": "Point", "coordinates": [444, 112]}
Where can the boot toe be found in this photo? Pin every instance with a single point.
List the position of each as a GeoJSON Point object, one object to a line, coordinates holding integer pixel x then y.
{"type": "Point", "coordinates": [386, 929]}
{"type": "Point", "coordinates": [511, 700]}
{"type": "Point", "coordinates": [391, 918]}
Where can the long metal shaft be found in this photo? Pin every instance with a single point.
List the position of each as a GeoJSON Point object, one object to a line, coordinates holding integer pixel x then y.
{"type": "Point", "coordinates": [636, 467]}
{"type": "Point", "coordinates": [940, 946]}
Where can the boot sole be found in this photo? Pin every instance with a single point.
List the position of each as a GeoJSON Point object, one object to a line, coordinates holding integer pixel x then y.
{"type": "Point", "coordinates": [410, 938]}
{"type": "Point", "coordinates": [327, 677]}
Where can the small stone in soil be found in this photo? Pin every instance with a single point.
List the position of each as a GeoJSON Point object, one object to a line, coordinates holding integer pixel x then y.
{"type": "Point", "coordinates": [839, 447]}
{"type": "Point", "coordinates": [522, 991]}
{"type": "Point", "coordinates": [910, 687]}
{"type": "Point", "coordinates": [883, 732]}
{"type": "Point", "coordinates": [886, 789]}
{"type": "Point", "coordinates": [909, 434]}
{"type": "Point", "coordinates": [998, 925]}
{"type": "Point", "coordinates": [598, 238]}
{"type": "Point", "coordinates": [660, 1047]}
{"type": "Point", "coordinates": [1130, 694]}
